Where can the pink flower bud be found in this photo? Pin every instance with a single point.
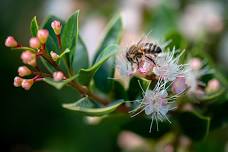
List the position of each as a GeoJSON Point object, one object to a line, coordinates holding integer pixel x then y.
{"type": "Point", "coordinates": [58, 76]}
{"type": "Point", "coordinates": [54, 55]}
{"type": "Point", "coordinates": [17, 81]}
{"type": "Point", "coordinates": [29, 58]}
{"type": "Point", "coordinates": [213, 86]}
{"type": "Point", "coordinates": [43, 35]}
{"type": "Point", "coordinates": [34, 42]}
{"type": "Point", "coordinates": [56, 25]}
{"type": "Point", "coordinates": [24, 71]}
{"type": "Point", "coordinates": [10, 42]}
{"type": "Point", "coordinates": [195, 63]}
{"type": "Point", "coordinates": [179, 85]}
{"type": "Point", "coordinates": [27, 84]}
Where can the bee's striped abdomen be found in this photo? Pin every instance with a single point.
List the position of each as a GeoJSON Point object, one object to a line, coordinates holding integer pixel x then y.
{"type": "Point", "coordinates": [151, 48]}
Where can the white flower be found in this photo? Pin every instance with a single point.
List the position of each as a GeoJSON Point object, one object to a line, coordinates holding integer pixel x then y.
{"type": "Point", "coordinates": [167, 67]}
{"type": "Point", "coordinates": [156, 104]}
{"type": "Point", "coordinates": [192, 78]}
{"type": "Point", "coordinates": [193, 73]}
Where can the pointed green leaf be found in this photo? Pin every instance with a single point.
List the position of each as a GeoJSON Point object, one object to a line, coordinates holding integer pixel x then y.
{"type": "Point", "coordinates": [46, 66]}
{"type": "Point", "coordinates": [79, 56]}
{"type": "Point", "coordinates": [85, 106]}
{"type": "Point", "coordinates": [59, 84]}
{"type": "Point", "coordinates": [34, 26]}
{"type": "Point", "coordinates": [70, 31]}
{"type": "Point", "coordinates": [85, 75]}
{"type": "Point", "coordinates": [194, 124]}
{"type": "Point", "coordinates": [112, 36]}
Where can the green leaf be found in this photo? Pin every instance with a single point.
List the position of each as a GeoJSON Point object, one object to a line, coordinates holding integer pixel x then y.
{"type": "Point", "coordinates": [46, 66]}
{"type": "Point", "coordinates": [84, 106]}
{"type": "Point", "coordinates": [194, 125]}
{"type": "Point", "coordinates": [79, 56]}
{"type": "Point", "coordinates": [70, 31]}
{"type": "Point", "coordinates": [134, 89]}
{"type": "Point", "coordinates": [34, 26]}
{"type": "Point", "coordinates": [118, 91]}
{"type": "Point", "coordinates": [112, 36]}
{"type": "Point", "coordinates": [59, 84]}
{"type": "Point", "coordinates": [85, 75]}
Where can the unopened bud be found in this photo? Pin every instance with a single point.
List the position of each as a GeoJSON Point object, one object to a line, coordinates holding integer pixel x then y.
{"type": "Point", "coordinates": [56, 25]}
{"type": "Point", "coordinates": [29, 58]}
{"type": "Point", "coordinates": [34, 42]}
{"type": "Point", "coordinates": [27, 84]}
{"type": "Point", "coordinates": [43, 35]}
{"type": "Point", "coordinates": [179, 85]}
{"type": "Point", "coordinates": [58, 76]}
{"type": "Point", "coordinates": [17, 81]}
{"type": "Point", "coordinates": [213, 86]}
{"type": "Point", "coordinates": [195, 63]}
{"type": "Point", "coordinates": [24, 71]}
{"type": "Point", "coordinates": [10, 42]}
{"type": "Point", "coordinates": [54, 55]}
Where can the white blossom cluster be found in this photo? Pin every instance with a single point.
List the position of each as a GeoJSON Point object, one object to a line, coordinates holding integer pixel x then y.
{"type": "Point", "coordinates": [157, 102]}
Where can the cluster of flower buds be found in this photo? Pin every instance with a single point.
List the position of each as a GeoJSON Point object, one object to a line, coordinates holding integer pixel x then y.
{"type": "Point", "coordinates": [24, 83]}
{"type": "Point", "coordinates": [30, 57]}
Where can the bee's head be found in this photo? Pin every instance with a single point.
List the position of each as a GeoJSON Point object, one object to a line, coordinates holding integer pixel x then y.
{"type": "Point", "coordinates": [133, 48]}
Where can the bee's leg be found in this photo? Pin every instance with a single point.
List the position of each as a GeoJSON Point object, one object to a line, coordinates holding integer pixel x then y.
{"type": "Point", "coordinates": [137, 63]}
{"type": "Point", "coordinates": [132, 66]}
{"type": "Point", "coordinates": [150, 59]}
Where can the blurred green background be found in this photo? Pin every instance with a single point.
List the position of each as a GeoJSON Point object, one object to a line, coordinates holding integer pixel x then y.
{"type": "Point", "coordinates": [35, 121]}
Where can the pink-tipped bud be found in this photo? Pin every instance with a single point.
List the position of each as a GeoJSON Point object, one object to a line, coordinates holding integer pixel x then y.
{"type": "Point", "coordinates": [27, 84]}
{"type": "Point", "coordinates": [24, 71]}
{"type": "Point", "coordinates": [29, 58]}
{"type": "Point", "coordinates": [58, 76]}
{"type": "Point", "coordinates": [213, 86]}
{"type": "Point", "coordinates": [54, 56]}
{"type": "Point", "coordinates": [17, 81]}
{"type": "Point", "coordinates": [43, 35]}
{"type": "Point", "coordinates": [56, 25]}
{"type": "Point", "coordinates": [10, 42]}
{"type": "Point", "coordinates": [34, 42]}
{"type": "Point", "coordinates": [179, 85]}
{"type": "Point", "coordinates": [195, 63]}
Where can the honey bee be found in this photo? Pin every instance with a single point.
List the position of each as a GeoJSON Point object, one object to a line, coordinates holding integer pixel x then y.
{"type": "Point", "coordinates": [140, 51]}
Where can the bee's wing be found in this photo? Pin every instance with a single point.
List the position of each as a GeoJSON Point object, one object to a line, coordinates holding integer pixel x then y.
{"type": "Point", "coordinates": [145, 38]}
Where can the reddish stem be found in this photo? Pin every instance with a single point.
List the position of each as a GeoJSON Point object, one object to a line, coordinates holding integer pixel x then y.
{"type": "Point", "coordinates": [43, 46]}
{"type": "Point", "coordinates": [59, 41]}
{"type": "Point", "coordinates": [18, 46]}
